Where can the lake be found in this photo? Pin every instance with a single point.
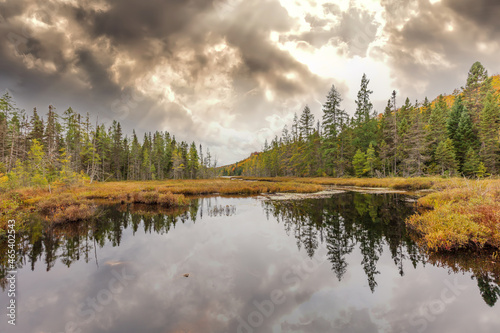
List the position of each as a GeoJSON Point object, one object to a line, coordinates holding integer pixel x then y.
{"type": "Point", "coordinates": [246, 264]}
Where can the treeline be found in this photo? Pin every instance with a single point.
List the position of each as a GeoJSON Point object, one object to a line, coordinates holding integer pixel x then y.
{"type": "Point", "coordinates": [36, 152]}
{"type": "Point", "coordinates": [453, 135]}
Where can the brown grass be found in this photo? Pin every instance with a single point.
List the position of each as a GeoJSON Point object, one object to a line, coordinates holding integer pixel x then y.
{"type": "Point", "coordinates": [467, 216]}
{"type": "Point", "coordinates": [398, 183]}
{"type": "Point", "coordinates": [79, 202]}
{"type": "Point", "coordinates": [459, 213]}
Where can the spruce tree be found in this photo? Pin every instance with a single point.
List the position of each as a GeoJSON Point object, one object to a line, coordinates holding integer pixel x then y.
{"type": "Point", "coordinates": [477, 86]}
{"type": "Point", "coordinates": [365, 125]}
{"type": "Point", "coordinates": [333, 120]}
{"type": "Point", "coordinates": [465, 138]}
{"type": "Point", "coordinates": [37, 127]}
{"type": "Point", "coordinates": [471, 164]}
{"type": "Point", "coordinates": [371, 161]}
{"type": "Point", "coordinates": [306, 123]}
{"type": "Point", "coordinates": [417, 146]}
{"type": "Point", "coordinates": [445, 157]}
{"type": "Point", "coordinates": [454, 118]}
{"type": "Point", "coordinates": [488, 133]}
{"type": "Point", "coordinates": [436, 129]}
{"type": "Point", "coordinates": [193, 161]}
{"type": "Point", "coordinates": [358, 163]}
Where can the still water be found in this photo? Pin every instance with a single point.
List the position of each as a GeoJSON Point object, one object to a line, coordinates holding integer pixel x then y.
{"type": "Point", "coordinates": [342, 264]}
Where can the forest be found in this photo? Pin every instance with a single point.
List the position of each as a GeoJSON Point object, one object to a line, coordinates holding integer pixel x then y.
{"type": "Point", "coordinates": [453, 135]}
{"type": "Point", "coordinates": [37, 151]}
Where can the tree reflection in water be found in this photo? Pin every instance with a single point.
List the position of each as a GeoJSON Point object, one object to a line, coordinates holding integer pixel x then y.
{"type": "Point", "coordinates": [343, 223]}
{"type": "Point", "coordinates": [368, 221]}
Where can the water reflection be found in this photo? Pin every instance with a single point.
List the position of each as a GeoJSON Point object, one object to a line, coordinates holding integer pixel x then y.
{"type": "Point", "coordinates": [348, 221]}
{"type": "Point", "coordinates": [236, 258]}
{"type": "Point", "coordinates": [79, 241]}
{"type": "Point", "coordinates": [366, 222]}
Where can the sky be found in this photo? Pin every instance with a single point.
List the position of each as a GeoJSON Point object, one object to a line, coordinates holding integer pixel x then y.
{"type": "Point", "coordinates": [229, 74]}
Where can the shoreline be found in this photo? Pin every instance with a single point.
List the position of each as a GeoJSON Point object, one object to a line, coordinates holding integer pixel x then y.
{"type": "Point", "coordinates": [454, 213]}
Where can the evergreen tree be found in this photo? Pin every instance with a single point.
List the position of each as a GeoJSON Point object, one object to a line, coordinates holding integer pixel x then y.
{"type": "Point", "coordinates": [371, 161]}
{"type": "Point", "coordinates": [306, 123]}
{"type": "Point", "coordinates": [193, 162]}
{"type": "Point", "coordinates": [51, 135]}
{"type": "Point", "coordinates": [358, 163]}
{"type": "Point", "coordinates": [471, 166]}
{"type": "Point", "coordinates": [365, 126]}
{"type": "Point", "coordinates": [36, 165]}
{"type": "Point", "coordinates": [445, 157]}
{"type": "Point", "coordinates": [476, 88]}
{"type": "Point", "coordinates": [117, 150]}
{"type": "Point", "coordinates": [37, 127]}
{"type": "Point", "coordinates": [488, 133]}
{"type": "Point", "coordinates": [295, 128]}
{"type": "Point", "coordinates": [454, 118]}
{"type": "Point", "coordinates": [436, 129]}
{"type": "Point", "coordinates": [417, 147]}
{"type": "Point", "coordinates": [334, 119]}
{"type": "Point", "coordinates": [465, 138]}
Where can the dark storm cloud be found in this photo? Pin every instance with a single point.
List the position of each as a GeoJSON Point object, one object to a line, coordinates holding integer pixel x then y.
{"type": "Point", "coordinates": [482, 13]}
{"type": "Point", "coordinates": [135, 27]}
{"type": "Point", "coordinates": [92, 54]}
{"type": "Point", "coordinates": [96, 72]}
{"type": "Point", "coordinates": [437, 45]}
{"type": "Point", "coordinates": [106, 47]}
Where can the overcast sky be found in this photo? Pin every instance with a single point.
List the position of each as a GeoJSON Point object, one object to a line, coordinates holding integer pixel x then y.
{"type": "Point", "coordinates": [230, 73]}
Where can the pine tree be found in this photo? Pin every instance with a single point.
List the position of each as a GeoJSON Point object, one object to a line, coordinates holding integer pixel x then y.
{"type": "Point", "coordinates": [365, 126]}
{"type": "Point", "coordinates": [285, 135]}
{"type": "Point", "coordinates": [358, 163]}
{"type": "Point", "coordinates": [488, 133]}
{"type": "Point", "coordinates": [364, 106]}
{"type": "Point", "coordinates": [395, 131]}
{"type": "Point", "coordinates": [295, 128]}
{"type": "Point", "coordinates": [334, 119]}
{"type": "Point", "coordinates": [476, 88]}
{"type": "Point", "coordinates": [135, 158]}
{"type": "Point", "coordinates": [436, 129]}
{"type": "Point", "coordinates": [465, 138]}
{"type": "Point", "coordinates": [471, 166]}
{"type": "Point", "coordinates": [371, 161]}
{"type": "Point", "coordinates": [306, 123]}
{"type": "Point", "coordinates": [454, 118]}
{"type": "Point", "coordinates": [117, 150]}
{"type": "Point", "coordinates": [193, 161]}
{"type": "Point", "coordinates": [36, 157]}
{"type": "Point", "coordinates": [51, 135]}
{"type": "Point", "coordinates": [445, 157]}
{"type": "Point", "coordinates": [389, 134]}
{"type": "Point", "coordinates": [7, 108]}
{"type": "Point", "coordinates": [417, 146]}
{"type": "Point", "coordinates": [384, 154]}
{"type": "Point", "coordinates": [178, 165]}
{"type": "Point", "coordinates": [37, 127]}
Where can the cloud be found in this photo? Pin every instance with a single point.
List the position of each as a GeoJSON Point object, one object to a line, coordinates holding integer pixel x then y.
{"type": "Point", "coordinates": [432, 46]}
{"type": "Point", "coordinates": [205, 69]}
{"type": "Point", "coordinates": [193, 61]}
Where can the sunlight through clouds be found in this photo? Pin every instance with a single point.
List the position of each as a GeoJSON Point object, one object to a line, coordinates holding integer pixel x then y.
{"type": "Point", "coordinates": [234, 62]}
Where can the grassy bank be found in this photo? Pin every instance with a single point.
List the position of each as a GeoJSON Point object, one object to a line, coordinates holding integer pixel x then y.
{"type": "Point", "coordinates": [79, 202]}
{"type": "Point", "coordinates": [397, 183]}
{"type": "Point", "coordinates": [465, 216]}
{"type": "Point", "coordinates": [457, 214]}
